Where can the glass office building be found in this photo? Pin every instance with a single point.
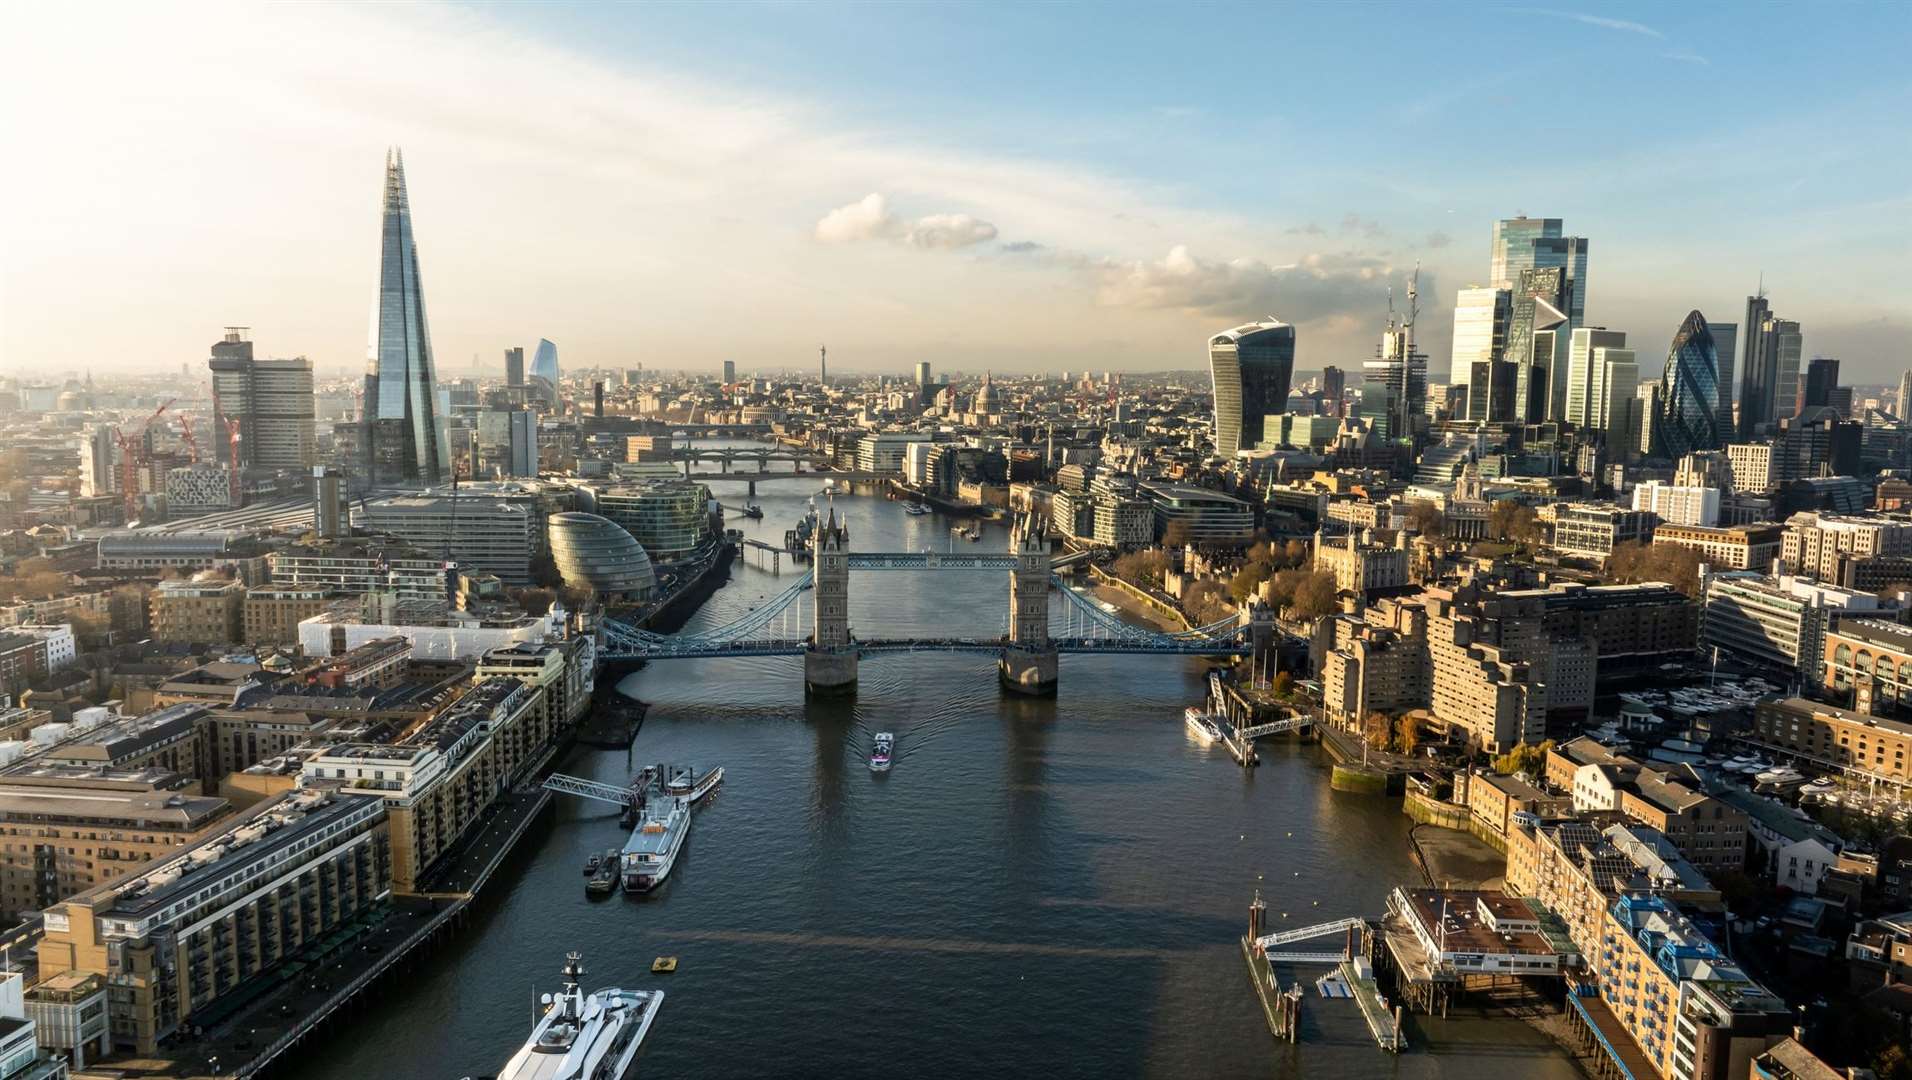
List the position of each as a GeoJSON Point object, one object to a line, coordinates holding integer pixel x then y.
{"type": "Point", "coordinates": [544, 371]}
{"type": "Point", "coordinates": [1252, 367]}
{"type": "Point", "coordinates": [405, 434]}
{"type": "Point", "coordinates": [596, 553]}
{"type": "Point", "coordinates": [1689, 393]}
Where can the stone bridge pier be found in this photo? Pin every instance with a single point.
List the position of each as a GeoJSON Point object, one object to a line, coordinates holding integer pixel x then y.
{"type": "Point", "coordinates": [829, 662]}
{"type": "Point", "coordinates": [1028, 663]}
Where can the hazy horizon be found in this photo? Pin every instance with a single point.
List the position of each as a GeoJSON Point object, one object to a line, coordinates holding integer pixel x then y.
{"type": "Point", "coordinates": [677, 185]}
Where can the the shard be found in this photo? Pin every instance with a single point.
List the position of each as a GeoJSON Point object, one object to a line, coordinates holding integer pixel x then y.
{"type": "Point", "coordinates": [404, 435]}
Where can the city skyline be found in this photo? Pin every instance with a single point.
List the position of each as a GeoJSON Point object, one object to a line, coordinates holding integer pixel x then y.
{"type": "Point", "coordinates": [588, 146]}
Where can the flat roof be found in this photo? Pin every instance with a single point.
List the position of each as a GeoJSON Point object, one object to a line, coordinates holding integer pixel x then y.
{"type": "Point", "coordinates": [1452, 917]}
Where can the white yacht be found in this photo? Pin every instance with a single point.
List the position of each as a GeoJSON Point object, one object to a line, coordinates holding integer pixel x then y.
{"type": "Point", "coordinates": [585, 1036]}
{"type": "Point", "coordinates": [880, 753]}
{"type": "Point", "coordinates": [652, 849]}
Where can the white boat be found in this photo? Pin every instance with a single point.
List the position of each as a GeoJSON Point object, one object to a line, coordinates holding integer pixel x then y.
{"type": "Point", "coordinates": [585, 1036]}
{"type": "Point", "coordinates": [1201, 724]}
{"type": "Point", "coordinates": [880, 753]}
{"type": "Point", "coordinates": [652, 849]}
{"type": "Point", "coordinates": [915, 509]}
{"type": "Point", "coordinates": [687, 784]}
{"type": "Point", "coordinates": [1780, 776]}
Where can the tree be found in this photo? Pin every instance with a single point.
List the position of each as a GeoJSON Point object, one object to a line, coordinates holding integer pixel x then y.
{"type": "Point", "coordinates": [1284, 684]}
{"type": "Point", "coordinates": [1204, 602]}
{"type": "Point", "coordinates": [1144, 568]}
{"type": "Point", "coordinates": [1674, 564]}
{"type": "Point", "coordinates": [1296, 553]}
{"type": "Point", "coordinates": [1376, 730]}
{"type": "Point", "coordinates": [1527, 758]}
{"type": "Point", "coordinates": [1316, 595]}
{"type": "Point", "coordinates": [1425, 518]}
{"type": "Point", "coordinates": [1513, 522]}
{"type": "Point", "coordinates": [1175, 534]}
{"type": "Point", "coordinates": [1407, 734]}
{"type": "Point", "coordinates": [1245, 581]}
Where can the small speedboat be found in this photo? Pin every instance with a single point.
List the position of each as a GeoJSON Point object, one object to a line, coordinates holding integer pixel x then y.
{"type": "Point", "coordinates": [915, 509]}
{"type": "Point", "coordinates": [753, 511]}
{"type": "Point", "coordinates": [604, 881]}
{"type": "Point", "coordinates": [881, 751]}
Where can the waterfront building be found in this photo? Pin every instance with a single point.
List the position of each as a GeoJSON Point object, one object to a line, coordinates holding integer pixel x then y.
{"type": "Point", "coordinates": [1123, 523]}
{"type": "Point", "coordinates": [439, 780]}
{"type": "Point", "coordinates": [1814, 543]}
{"type": "Point", "coordinates": [69, 1019]}
{"type": "Point", "coordinates": [1192, 515]}
{"type": "Point", "coordinates": [1868, 665]}
{"type": "Point", "coordinates": [1470, 932]}
{"type": "Point", "coordinates": [204, 612]}
{"type": "Point", "coordinates": [671, 520]}
{"type": "Point", "coordinates": [559, 672]}
{"type": "Point", "coordinates": [1843, 741]}
{"type": "Point", "coordinates": [1780, 621]}
{"type": "Point", "coordinates": [1678, 505]}
{"type": "Point", "coordinates": [207, 922]}
{"type": "Point", "coordinates": [1669, 998]}
{"type": "Point", "coordinates": [1490, 695]}
{"type": "Point", "coordinates": [67, 828]}
{"type": "Point", "coordinates": [479, 532]}
{"type": "Point", "coordinates": [356, 565]}
{"type": "Point", "coordinates": [1376, 666]}
{"type": "Point", "coordinates": [1593, 530]}
{"type": "Point", "coordinates": [883, 451]}
{"type": "Point", "coordinates": [404, 436]}
{"type": "Point", "coordinates": [1736, 547]}
{"type": "Point", "coordinates": [1251, 368]}
{"type": "Point", "coordinates": [1578, 868]}
{"type": "Point", "coordinates": [596, 554]}
{"type": "Point", "coordinates": [271, 399]}
{"type": "Point", "coordinates": [436, 629]}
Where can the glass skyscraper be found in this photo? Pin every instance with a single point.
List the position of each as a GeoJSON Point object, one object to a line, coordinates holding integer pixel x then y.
{"type": "Point", "coordinates": [1535, 341]}
{"type": "Point", "coordinates": [544, 371]}
{"type": "Point", "coordinates": [1480, 321]}
{"type": "Point", "coordinates": [1689, 393]}
{"type": "Point", "coordinates": [1769, 383]}
{"type": "Point", "coordinates": [1251, 367]}
{"type": "Point", "coordinates": [404, 435]}
{"type": "Point", "coordinates": [1522, 244]}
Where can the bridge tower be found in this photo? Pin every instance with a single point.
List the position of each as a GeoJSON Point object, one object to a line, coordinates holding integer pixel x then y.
{"type": "Point", "coordinates": [1028, 664]}
{"type": "Point", "coordinates": [829, 663]}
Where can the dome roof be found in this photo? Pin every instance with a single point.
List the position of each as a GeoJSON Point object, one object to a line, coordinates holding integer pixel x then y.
{"type": "Point", "coordinates": [596, 553]}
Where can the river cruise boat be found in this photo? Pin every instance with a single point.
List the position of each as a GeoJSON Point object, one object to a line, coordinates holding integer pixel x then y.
{"type": "Point", "coordinates": [1201, 725]}
{"type": "Point", "coordinates": [685, 783]}
{"type": "Point", "coordinates": [652, 850]}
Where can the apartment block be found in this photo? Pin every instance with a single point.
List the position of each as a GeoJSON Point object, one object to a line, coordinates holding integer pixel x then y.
{"type": "Point", "coordinates": [271, 614]}
{"type": "Point", "coordinates": [1813, 542]}
{"type": "Point", "coordinates": [1739, 547]}
{"type": "Point", "coordinates": [197, 612]}
{"type": "Point", "coordinates": [204, 924]}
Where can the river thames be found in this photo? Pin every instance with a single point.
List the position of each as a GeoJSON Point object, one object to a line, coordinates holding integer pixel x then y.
{"type": "Point", "coordinates": [1043, 888]}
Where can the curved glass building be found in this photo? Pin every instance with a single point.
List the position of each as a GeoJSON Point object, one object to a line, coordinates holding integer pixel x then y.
{"type": "Point", "coordinates": [1251, 367]}
{"type": "Point", "coordinates": [544, 370]}
{"type": "Point", "coordinates": [670, 518]}
{"type": "Point", "coordinates": [596, 553]}
{"type": "Point", "coordinates": [1689, 392]}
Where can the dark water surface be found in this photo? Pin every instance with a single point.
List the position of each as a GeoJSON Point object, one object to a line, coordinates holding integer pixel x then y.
{"type": "Point", "coordinates": [1040, 888]}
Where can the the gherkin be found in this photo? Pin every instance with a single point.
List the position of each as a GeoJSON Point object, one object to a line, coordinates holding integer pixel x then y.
{"type": "Point", "coordinates": [1689, 392]}
{"type": "Point", "coordinates": [404, 435]}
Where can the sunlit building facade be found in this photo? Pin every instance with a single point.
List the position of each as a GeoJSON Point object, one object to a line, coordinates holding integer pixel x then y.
{"type": "Point", "coordinates": [404, 434]}
{"type": "Point", "coordinates": [1689, 394]}
{"type": "Point", "coordinates": [1252, 367]}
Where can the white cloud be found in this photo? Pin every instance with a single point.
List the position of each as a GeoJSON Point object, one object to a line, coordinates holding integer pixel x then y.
{"type": "Point", "coordinates": [1317, 287]}
{"type": "Point", "coordinates": [1625, 26]}
{"type": "Point", "coordinates": [869, 218]}
{"type": "Point", "coordinates": [949, 231]}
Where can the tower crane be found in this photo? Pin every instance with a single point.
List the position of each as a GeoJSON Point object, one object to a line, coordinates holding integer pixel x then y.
{"type": "Point", "coordinates": [132, 454]}
{"type": "Point", "coordinates": [186, 434]}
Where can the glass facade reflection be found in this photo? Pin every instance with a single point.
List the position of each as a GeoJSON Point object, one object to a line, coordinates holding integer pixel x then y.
{"type": "Point", "coordinates": [1252, 367]}
{"type": "Point", "coordinates": [596, 553]}
{"type": "Point", "coordinates": [405, 435]}
{"type": "Point", "coordinates": [544, 370]}
{"type": "Point", "coordinates": [1689, 393]}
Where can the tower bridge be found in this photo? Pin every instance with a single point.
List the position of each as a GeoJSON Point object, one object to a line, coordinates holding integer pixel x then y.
{"type": "Point", "coordinates": [1027, 653]}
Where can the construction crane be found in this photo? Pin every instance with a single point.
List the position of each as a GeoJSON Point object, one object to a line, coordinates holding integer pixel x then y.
{"type": "Point", "coordinates": [186, 434]}
{"type": "Point", "coordinates": [132, 455]}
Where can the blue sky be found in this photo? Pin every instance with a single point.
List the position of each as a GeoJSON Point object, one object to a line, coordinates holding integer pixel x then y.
{"type": "Point", "coordinates": [616, 178]}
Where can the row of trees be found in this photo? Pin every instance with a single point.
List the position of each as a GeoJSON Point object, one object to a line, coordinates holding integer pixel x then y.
{"type": "Point", "coordinates": [1265, 560]}
{"type": "Point", "coordinates": [1400, 734]}
{"type": "Point", "coordinates": [1674, 564]}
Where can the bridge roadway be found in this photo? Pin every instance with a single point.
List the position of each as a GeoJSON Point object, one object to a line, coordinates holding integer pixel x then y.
{"type": "Point", "coordinates": [1113, 646]}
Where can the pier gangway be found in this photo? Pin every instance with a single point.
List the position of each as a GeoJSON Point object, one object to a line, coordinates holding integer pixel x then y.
{"type": "Point", "coordinates": [1283, 937]}
{"type": "Point", "coordinates": [1276, 727]}
{"type": "Point", "coordinates": [1305, 957]}
{"type": "Point", "coordinates": [624, 795]}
